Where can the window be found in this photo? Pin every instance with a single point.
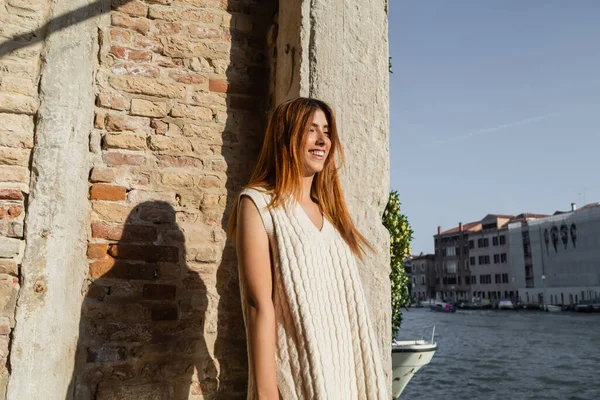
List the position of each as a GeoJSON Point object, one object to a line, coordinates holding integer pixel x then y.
{"type": "Point", "coordinates": [472, 260]}
{"type": "Point", "coordinates": [414, 281]}
{"type": "Point", "coordinates": [503, 257]}
{"type": "Point", "coordinates": [497, 278]}
{"type": "Point", "coordinates": [458, 251]}
{"type": "Point", "coordinates": [473, 280]}
{"type": "Point", "coordinates": [451, 267]}
{"type": "Point", "coordinates": [495, 241]}
{"type": "Point", "coordinates": [471, 244]}
{"type": "Point", "coordinates": [496, 258]}
{"type": "Point", "coordinates": [422, 267]}
{"type": "Point", "coordinates": [486, 242]}
{"type": "Point", "coordinates": [479, 242]}
{"type": "Point", "coordinates": [481, 260]}
{"type": "Point", "coordinates": [487, 259]}
{"type": "Point", "coordinates": [422, 279]}
{"type": "Point", "coordinates": [504, 278]}
{"type": "Point", "coordinates": [450, 251]}
{"type": "Point", "coordinates": [481, 279]}
{"type": "Point", "coordinates": [502, 240]}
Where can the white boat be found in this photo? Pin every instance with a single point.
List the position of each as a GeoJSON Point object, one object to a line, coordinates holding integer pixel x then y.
{"type": "Point", "coordinates": [506, 304]}
{"type": "Point", "coordinates": [553, 308]}
{"type": "Point", "coordinates": [408, 356]}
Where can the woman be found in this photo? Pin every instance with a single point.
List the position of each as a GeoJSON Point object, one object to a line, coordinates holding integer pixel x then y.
{"type": "Point", "coordinates": [307, 323]}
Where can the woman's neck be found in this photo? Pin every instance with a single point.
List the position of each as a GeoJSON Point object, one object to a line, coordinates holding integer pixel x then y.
{"type": "Point", "coordinates": [307, 182]}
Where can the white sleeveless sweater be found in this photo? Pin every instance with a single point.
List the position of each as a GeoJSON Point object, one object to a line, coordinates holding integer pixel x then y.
{"type": "Point", "coordinates": [326, 347]}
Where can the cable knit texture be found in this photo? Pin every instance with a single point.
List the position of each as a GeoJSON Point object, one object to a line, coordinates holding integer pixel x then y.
{"type": "Point", "coordinates": [326, 346]}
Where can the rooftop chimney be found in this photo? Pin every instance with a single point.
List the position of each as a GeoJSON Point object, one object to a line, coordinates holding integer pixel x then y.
{"type": "Point", "coordinates": [460, 227]}
{"type": "Point", "coordinates": [573, 206]}
{"type": "Point", "coordinates": [439, 230]}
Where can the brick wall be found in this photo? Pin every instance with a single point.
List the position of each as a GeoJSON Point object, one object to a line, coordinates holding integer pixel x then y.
{"type": "Point", "coordinates": [19, 77]}
{"type": "Point", "coordinates": [181, 93]}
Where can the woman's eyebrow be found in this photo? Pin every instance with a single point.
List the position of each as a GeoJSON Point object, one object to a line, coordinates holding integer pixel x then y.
{"type": "Point", "coordinates": [316, 126]}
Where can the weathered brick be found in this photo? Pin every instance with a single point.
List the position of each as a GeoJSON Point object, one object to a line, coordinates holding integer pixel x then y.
{"type": "Point", "coordinates": [147, 43]}
{"type": "Point", "coordinates": [119, 123]}
{"type": "Point", "coordinates": [125, 332]}
{"type": "Point", "coordinates": [98, 292]}
{"type": "Point", "coordinates": [9, 247]}
{"type": "Point", "coordinates": [103, 175]}
{"type": "Point", "coordinates": [11, 228]}
{"type": "Point", "coordinates": [113, 158]}
{"type": "Point", "coordinates": [141, 25]}
{"type": "Point", "coordinates": [167, 143]}
{"type": "Point", "coordinates": [164, 312]}
{"type": "Point", "coordinates": [204, 32]}
{"type": "Point", "coordinates": [138, 196]}
{"type": "Point", "coordinates": [119, 35]}
{"type": "Point", "coordinates": [209, 134]}
{"type": "Point", "coordinates": [201, 3]}
{"type": "Point", "coordinates": [188, 77]}
{"type": "Point", "coordinates": [167, 28]}
{"type": "Point", "coordinates": [245, 103]}
{"type": "Point", "coordinates": [16, 139]}
{"type": "Point", "coordinates": [176, 14]}
{"type": "Point", "coordinates": [147, 86]}
{"type": "Point", "coordinates": [210, 181]}
{"type": "Point", "coordinates": [218, 85]}
{"type": "Point", "coordinates": [11, 194]}
{"type": "Point", "coordinates": [9, 267]}
{"type": "Point", "coordinates": [19, 85]}
{"type": "Point", "coordinates": [156, 214]}
{"type": "Point", "coordinates": [135, 8]}
{"type": "Point", "coordinates": [204, 254]}
{"type": "Point", "coordinates": [97, 250]}
{"type": "Point", "coordinates": [241, 22]}
{"type": "Point", "coordinates": [14, 156]}
{"type": "Point", "coordinates": [143, 70]}
{"type": "Point", "coordinates": [160, 127]}
{"type": "Point", "coordinates": [10, 210]}
{"type": "Point", "coordinates": [100, 120]}
{"type": "Point", "coordinates": [111, 212]}
{"type": "Point", "coordinates": [177, 180]}
{"type": "Point", "coordinates": [165, 161]}
{"type": "Point", "coordinates": [193, 112]}
{"type": "Point", "coordinates": [101, 191]}
{"type": "Point", "coordinates": [129, 391]}
{"type": "Point", "coordinates": [148, 108]}
{"type": "Point", "coordinates": [106, 354]}
{"type": "Point", "coordinates": [10, 173]}
{"type": "Point", "coordinates": [124, 233]}
{"type": "Point", "coordinates": [144, 253]}
{"type": "Point", "coordinates": [119, 269]}
{"type": "Point", "coordinates": [127, 54]}
{"type": "Point", "coordinates": [180, 47]}
{"type": "Point", "coordinates": [159, 292]}
{"type": "Point", "coordinates": [18, 103]}
{"type": "Point", "coordinates": [125, 141]}
{"type": "Point", "coordinates": [115, 101]}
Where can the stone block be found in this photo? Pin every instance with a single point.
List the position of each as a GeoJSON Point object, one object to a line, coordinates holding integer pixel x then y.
{"type": "Point", "coordinates": [115, 101]}
{"type": "Point", "coordinates": [141, 25]}
{"type": "Point", "coordinates": [110, 211]}
{"type": "Point", "coordinates": [14, 156]}
{"type": "Point", "coordinates": [114, 158]}
{"type": "Point", "coordinates": [128, 54]}
{"type": "Point", "coordinates": [10, 173]}
{"type": "Point", "coordinates": [149, 108]}
{"type": "Point", "coordinates": [9, 247]}
{"type": "Point", "coordinates": [125, 141]}
{"type": "Point", "coordinates": [147, 86]}
{"type": "Point", "coordinates": [11, 194]}
{"type": "Point", "coordinates": [192, 112]}
{"type": "Point", "coordinates": [9, 267]}
{"type": "Point", "coordinates": [177, 14]}
{"type": "Point", "coordinates": [18, 103]}
{"type": "Point", "coordinates": [135, 8]}
{"type": "Point", "coordinates": [119, 123]}
{"type": "Point", "coordinates": [97, 250]}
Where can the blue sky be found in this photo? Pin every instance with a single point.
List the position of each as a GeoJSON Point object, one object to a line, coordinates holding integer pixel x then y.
{"type": "Point", "coordinates": [495, 108]}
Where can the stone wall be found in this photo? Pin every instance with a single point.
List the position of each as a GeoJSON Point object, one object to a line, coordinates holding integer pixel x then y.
{"type": "Point", "coordinates": [19, 78]}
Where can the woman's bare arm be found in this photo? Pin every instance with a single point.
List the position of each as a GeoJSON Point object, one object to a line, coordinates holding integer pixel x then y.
{"type": "Point", "coordinates": [252, 246]}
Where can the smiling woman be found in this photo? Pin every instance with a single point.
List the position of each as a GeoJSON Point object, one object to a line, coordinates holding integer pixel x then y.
{"type": "Point", "coordinates": [303, 302]}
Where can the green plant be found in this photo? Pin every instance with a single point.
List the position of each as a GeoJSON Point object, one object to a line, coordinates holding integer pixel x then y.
{"type": "Point", "coordinates": [401, 235]}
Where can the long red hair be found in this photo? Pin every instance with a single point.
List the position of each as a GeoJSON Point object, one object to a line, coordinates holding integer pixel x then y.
{"type": "Point", "coordinates": [279, 169]}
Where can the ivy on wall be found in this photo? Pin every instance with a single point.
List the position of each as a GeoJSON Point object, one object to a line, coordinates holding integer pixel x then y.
{"type": "Point", "coordinates": [401, 235]}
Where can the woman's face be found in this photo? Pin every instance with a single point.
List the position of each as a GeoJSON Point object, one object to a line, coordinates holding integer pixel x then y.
{"type": "Point", "coordinates": [315, 145]}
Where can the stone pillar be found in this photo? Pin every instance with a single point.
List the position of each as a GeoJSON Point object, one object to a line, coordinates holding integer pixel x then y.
{"type": "Point", "coordinates": [337, 51]}
{"type": "Point", "coordinates": [54, 264]}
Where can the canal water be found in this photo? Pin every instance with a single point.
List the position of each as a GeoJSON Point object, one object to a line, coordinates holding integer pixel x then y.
{"type": "Point", "coordinates": [520, 355]}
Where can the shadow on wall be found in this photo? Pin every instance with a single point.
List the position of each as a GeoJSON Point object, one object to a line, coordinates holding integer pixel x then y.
{"type": "Point", "coordinates": [143, 320]}
{"type": "Point", "coordinates": [58, 23]}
